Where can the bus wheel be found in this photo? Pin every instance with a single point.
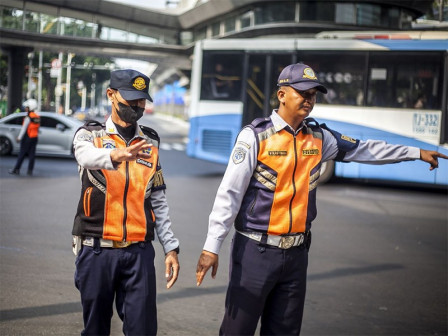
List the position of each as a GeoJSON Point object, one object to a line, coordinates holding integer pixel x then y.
{"type": "Point", "coordinates": [326, 172]}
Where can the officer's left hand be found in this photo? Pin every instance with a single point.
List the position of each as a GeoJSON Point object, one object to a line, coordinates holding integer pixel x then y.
{"type": "Point", "coordinates": [17, 140]}
{"type": "Point", "coordinates": [171, 268]}
{"type": "Point", "coordinates": [431, 157]}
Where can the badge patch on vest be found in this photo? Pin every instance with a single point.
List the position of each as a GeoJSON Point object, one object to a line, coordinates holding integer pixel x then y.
{"type": "Point", "coordinates": [347, 138]}
{"type": "Point", "coordinates": [147, 151]}
{"type": "Point", "coordinates": [309, 152]}
{"type": "Point", "coordinates": [145, 163]}
{"type": "Point", "coordinates": [277, 153]}
{"type": "Point", "coordinates": [109, 143]}
{"type": "Point", "coordinates": [239, 154]}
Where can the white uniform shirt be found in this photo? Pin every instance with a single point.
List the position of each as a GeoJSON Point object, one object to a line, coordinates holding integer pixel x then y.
{"type": "Point", "coordinates": [239, 172]}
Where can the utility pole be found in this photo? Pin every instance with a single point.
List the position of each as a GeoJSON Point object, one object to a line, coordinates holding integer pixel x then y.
{"type": "Point", "coordinates": [67, 85]}
{"type": "Point", "coordinates": [58, 90]}
{"type": "Point", "coordinates": [39, 82]}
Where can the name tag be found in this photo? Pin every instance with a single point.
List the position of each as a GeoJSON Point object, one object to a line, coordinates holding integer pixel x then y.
{"type": "Point", "coordinates": [308, 152]}
{"type": "Point", "coordinates": [277, 153]}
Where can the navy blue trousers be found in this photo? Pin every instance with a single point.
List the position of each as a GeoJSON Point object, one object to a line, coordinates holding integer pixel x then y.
{"type": "Point", "coordinates": [126, 275]}
{"type": "Point", "coordinates": [27, 147]}
{"type": "Point", "coordinates": [267, 283]}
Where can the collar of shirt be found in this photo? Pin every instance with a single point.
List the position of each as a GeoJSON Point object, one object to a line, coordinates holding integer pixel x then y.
{"type": "Point", "coordinates": [280, 124]}
{"type": "Point", "coordinates": [112, 129]}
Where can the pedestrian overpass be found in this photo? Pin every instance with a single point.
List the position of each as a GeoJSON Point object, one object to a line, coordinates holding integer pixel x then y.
{"type": "Point", "coordinates": [99, 28]}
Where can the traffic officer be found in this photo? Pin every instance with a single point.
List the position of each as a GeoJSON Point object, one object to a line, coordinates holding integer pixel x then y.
{"type": "Point", "coordinates": [28, 138]}
{"type": "Point", "coordinates": [269, 192]}
{"type": "Point", "coordinates": [122, 203]}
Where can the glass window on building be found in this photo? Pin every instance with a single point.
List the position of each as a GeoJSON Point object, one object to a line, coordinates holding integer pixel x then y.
{"type": "Point", "coordinates": [271, 13]}
{"type": "Point", "coordinates": [345, 13]}
{"type": "Point", "coordinates": [186, 37]}
{"type": "Point", "coordinates": [200, 34]}
{"type": "Point", "coordinates": [410, 80]}
{"type": "Point", "coordinates": [230, 24]}
{"type": "Point", "coordinates": [317, 11]}
{"type": "Point", "coordinates": [221, 76]}
{"type": "Point", "coordinates": [216, 28]}
{"type": "Point", "coordinates": [12, 18]}
{"type": "Point", "coordinates": [32, 22]}
{"type": "Point", "coordinates": [390, 18]}
{"type": "Point", "coordinates": [48, 24]}
{"type": "Point", "coordinates": [246, 19]}
{"type": "Point", "coordinates": [343, 74]}
{"type": "Point", "coordinates": [146, 39]}
{"type": "Point", "coordinates": [368, 15]}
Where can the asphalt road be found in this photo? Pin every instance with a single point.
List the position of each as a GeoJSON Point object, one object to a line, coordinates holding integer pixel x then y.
{"type": "Point", "coordinates": [378, 261]}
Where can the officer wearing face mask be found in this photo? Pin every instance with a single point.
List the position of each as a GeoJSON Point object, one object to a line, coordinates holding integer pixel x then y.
{"type": "Point", "coordinates": [121, 208]}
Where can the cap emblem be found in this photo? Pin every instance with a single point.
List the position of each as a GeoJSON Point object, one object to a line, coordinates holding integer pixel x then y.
{"type": "Point", "coordinates": [139, 83]}
{"type": "Point", "coordinates": [309, 73]}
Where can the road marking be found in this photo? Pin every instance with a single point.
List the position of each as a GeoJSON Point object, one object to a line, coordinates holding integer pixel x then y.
{"type": "Point", "coordinates": [174, 146]}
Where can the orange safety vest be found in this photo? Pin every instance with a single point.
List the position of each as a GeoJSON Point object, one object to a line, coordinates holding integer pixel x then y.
{"type": "Point", "coordinates": [33, 127]}
{"type": "Point", "coordinates": [281, 196]}
{"type": "Point", "coordinates": [115, 204]}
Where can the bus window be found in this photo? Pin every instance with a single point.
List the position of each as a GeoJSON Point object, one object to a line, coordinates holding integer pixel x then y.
{"type": "Point", "coordinates": [408, 80]}
{"type": "Point", "coordinates": [261, 92]}
{"type": "Point", "coordinates": [255, 95]}
{"type": "Point", "coordinates": [221, 76]}
{"type": "Point", "coordinates": [342, 73]}
{"type": "Point", "coordinates": [279, 62]}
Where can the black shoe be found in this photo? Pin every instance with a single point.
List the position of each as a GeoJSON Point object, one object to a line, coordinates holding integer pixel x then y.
{"type": "Point", "coordinates": [29, 173]}
{"type": "Point", "coordinates": [14, 171]}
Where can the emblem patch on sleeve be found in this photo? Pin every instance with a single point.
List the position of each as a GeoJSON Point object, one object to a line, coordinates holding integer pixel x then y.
{"type": "Point", "coordinates": [84, 135]}
{"type": "Point", "coordinates": [239, 154]}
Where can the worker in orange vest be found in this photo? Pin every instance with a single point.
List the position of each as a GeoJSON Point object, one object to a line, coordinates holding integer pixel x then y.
{"type": "Point", "coordinates": [28, 137]}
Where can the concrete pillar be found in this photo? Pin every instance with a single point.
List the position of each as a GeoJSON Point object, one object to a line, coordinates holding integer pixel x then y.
{"type": "Point", "coordinates": [17, 58]}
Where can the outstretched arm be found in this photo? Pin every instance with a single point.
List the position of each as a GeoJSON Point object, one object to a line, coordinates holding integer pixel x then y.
{"type": "Point", "coordinates": [431, 157]}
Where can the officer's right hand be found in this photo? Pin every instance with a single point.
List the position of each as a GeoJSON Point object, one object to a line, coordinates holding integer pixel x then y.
{"type": "Point", "coordinates": [130, 153]}
{"type": "Point", "coordinates": [206, 260]}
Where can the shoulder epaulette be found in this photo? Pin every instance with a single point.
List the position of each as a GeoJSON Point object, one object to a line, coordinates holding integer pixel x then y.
{"type": "Point", "coordinates": [311, 122]}
{"type": "Point", "coordinates": [93, 125]}
{"type": "Point", "coordinates": [148, 131]}
{"type": "Point", "coordinates": [258, 121]}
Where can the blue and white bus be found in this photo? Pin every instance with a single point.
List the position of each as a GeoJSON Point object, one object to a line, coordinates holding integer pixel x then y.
{"type": "Point", "coordinates": [389, 86]}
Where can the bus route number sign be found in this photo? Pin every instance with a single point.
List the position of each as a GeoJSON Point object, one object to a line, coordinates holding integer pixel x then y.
{"type": "Point", "coordinates": [426, 123]}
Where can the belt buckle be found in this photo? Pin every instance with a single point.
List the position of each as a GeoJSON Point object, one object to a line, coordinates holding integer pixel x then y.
{"type": "Point", "coordinates": [286, 242]}
{"type": "Point", "coordinates": [121, 244]}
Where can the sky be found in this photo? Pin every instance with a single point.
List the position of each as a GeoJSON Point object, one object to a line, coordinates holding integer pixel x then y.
{"type": "Point", "coordinates": [143, 3]}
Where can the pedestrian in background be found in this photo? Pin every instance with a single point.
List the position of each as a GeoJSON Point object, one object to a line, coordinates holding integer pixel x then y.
{"type": "Point", "coordinates": [269, 192]}
{"type": "Point", "coordinates": [122, 203]}
{"type": "Point", "coordinates": [28, 137]}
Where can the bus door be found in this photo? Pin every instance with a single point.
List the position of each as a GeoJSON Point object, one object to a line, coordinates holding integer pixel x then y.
{"type": "Point", "coordinates": [260, 87]}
